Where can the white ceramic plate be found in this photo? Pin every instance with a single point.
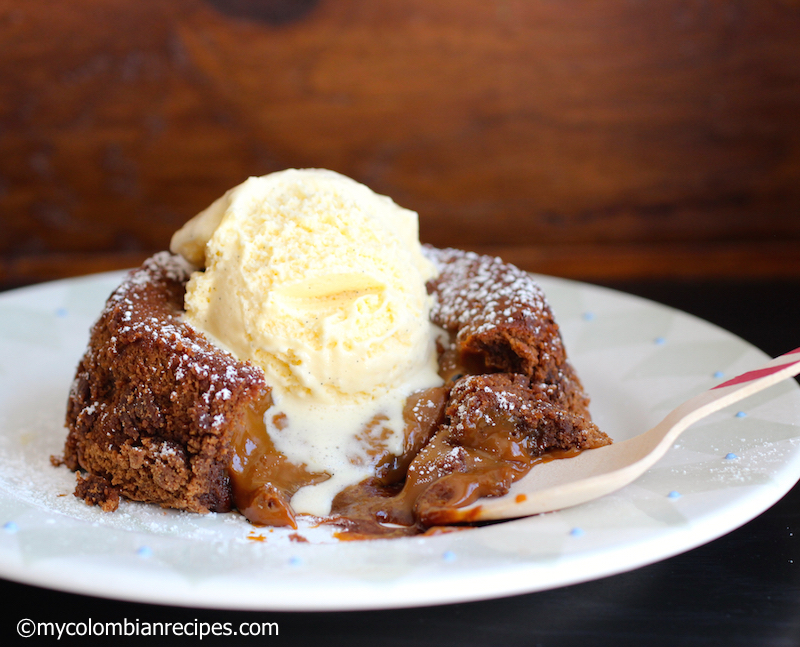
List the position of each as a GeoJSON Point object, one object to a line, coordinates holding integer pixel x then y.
{"type": "Point", "coordinates": [637, 359]}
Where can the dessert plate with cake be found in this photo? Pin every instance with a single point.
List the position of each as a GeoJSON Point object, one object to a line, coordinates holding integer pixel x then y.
{"type": "Point", "coordinates": [261, 421]}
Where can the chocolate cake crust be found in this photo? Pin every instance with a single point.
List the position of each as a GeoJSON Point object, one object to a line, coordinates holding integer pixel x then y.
{"type": "Point", "coordinates": [497, 313]}
{"type": "Point", "coordinates": [153, 404]}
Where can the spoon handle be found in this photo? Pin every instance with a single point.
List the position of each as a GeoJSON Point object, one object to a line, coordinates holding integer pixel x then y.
{"type": "Point", "coordinates": [595, 473]}
{"type": "Point", "coordinates": [730, 391]}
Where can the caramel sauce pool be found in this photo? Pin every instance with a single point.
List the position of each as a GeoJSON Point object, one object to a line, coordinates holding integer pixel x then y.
{"type": "Point", "coordinates": [418, 491]}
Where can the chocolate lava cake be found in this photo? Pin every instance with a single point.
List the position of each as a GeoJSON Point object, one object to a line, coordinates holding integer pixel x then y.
{"type": "Point", "coordinates": [159, 414]}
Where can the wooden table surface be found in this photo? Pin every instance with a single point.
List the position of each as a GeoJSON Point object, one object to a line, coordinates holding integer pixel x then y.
{"type": "Point", "coordinates": [592, 140]}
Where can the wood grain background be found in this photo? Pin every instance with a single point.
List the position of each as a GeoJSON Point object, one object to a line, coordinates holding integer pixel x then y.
{"type": "Point", "coordinates": [598, 140]}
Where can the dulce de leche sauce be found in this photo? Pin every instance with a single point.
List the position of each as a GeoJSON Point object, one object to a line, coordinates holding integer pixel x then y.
{"type": "Point", "coordinates": [264, 481]}
{"type": "Point", "coordinates": [439, 470]}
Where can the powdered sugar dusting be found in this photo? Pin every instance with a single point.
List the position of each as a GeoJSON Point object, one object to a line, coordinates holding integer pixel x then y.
{"type": "Point", "coordinates": [494, 308]}
{"type": "Point", "coordinates": [482, 292]}
{"type": "Point", "coordinates": [130, 317]}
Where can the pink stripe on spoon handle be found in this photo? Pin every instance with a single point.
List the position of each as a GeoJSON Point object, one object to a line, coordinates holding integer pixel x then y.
{"type": "Point", "coordinates": [735, 389]}
{"type": "Point", "coordinates": [774, 366]}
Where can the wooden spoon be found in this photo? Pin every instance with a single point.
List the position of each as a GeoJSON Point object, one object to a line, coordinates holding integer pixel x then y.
{"type": "Point", "coordinates": [594, 473]}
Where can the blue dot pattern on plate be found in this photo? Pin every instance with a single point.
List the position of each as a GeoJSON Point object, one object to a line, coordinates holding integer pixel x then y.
{"type": "Point", "coordinates": [577, 532]}
{"type": "Point", "coordinates": [448, 556]}
{"type": "Point", "coordinates": [660, 341]}
{"type": "Point", "coordinates": [10, 527]}
{"type": "Point", "coordinates": [674, 494]}
{"type": "Point", "coordinates": [731, 456]}
{"type": "Point", "coordinates": [588, 316]}
{"type": "Point", "coordinates": [295, 561]}
{"type": "Point", "coordinates": [145, 551]}
{"type": "Point", "coordinates": [718, 374]}
{"type": "Point", "coordinates": [741, 414]}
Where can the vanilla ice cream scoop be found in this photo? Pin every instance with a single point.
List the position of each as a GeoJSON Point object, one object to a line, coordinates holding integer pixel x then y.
{"type": "Point", "coordinates": [320, 282]}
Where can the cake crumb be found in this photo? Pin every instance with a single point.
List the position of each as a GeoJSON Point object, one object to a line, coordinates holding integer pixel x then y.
{"type": "Point", "coordinates": [95, 490]}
